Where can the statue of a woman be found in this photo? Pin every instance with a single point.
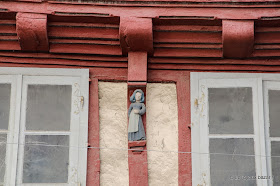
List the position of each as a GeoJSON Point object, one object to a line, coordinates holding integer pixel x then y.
{"type": "Point", "coordinates": [137, 108]}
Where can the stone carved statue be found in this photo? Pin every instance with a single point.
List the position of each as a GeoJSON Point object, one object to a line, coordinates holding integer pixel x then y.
{"type": "Point", "coordinates": [136, 109]}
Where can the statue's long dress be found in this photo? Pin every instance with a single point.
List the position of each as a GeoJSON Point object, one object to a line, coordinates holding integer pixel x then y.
{"type": "Point", "coordinates": [136, 130]}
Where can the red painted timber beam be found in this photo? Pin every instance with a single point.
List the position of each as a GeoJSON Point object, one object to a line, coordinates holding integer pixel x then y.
{"type": "Point", "coordinates": [136, 39]}
{"type": "Point", "coordinates": [93, 168]}
{"type": "Point", "coordinates": [137, 68]}
{"type": "Point", "coordinates": [247, 12]}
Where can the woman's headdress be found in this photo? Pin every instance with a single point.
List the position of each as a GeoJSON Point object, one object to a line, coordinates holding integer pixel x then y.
{"type": "Point", "coordinates": [132, 97]}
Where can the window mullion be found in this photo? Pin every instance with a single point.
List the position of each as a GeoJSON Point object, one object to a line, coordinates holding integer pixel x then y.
{"type": "Point", "coordinates": [21, 133]}
{"type": "Point", "coordinates": [260, 134]}
{"type": "Point", "coordinates": [14, 128]}
{"type": "Point", "coordinates": [83, 129]}
{"type": "Point", "coordinates": [268, 85]}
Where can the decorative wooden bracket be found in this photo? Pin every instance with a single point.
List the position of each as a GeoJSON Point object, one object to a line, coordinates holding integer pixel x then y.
{"type": "Point", "coordinates": [32, 32]}
{"type": "Point", "coordinates": [238, 38]}
{"type": "Point", "coordinates": [136, 34]}
{"type": "Point", "coordinates": [136, 38]}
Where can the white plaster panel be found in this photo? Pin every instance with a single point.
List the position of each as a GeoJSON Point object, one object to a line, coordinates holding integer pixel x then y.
{"type": "Point", "coordinates": [113, 134]}
{"type": "Point", "coordinates": [162, 134]}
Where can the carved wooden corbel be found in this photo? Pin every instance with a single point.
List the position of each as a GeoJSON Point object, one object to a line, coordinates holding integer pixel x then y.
{"type": "Point", "coordinates": [32, 32]}
{"type": "Point", "coordinates": [238, 38]}
{"type": "Point", "coordinates": [136, 39]}
{"type": "Point", "coordinates": [136, 34]}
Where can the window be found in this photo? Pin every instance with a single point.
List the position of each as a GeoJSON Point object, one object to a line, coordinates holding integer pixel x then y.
{"type": "Point", "coordinates": [235, 129]}
{"type": "Point", "coordinates": [43, 126]}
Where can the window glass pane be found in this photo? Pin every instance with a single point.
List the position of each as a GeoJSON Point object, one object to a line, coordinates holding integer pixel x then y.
{"type": "Point", "coordinates": [46, 159]}
{"type": "Point", "coordinates": [275, 161]}
{"type": "Point", "coordinates": [5, 94]}
{"type": "Point", "coordinates": [230, 111]}
{"type": "Point", "coordinates": [3, 141]}
{"type": "Point", "coordinates": [226, 169]}
{"type": "Point", "coordinates": [48, 107]}
{"type": "Point", "coordinates": [274, 110]}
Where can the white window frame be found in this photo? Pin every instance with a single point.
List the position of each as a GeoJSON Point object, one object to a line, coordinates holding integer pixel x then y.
{"type": "Point", "coordinates": [200, 81]}
{"type": "Point", "coordinates": [269, 85]}
{"type": "Point", "coordinates": [13, 118]}
{"type": "Point", "coordinates": [19, 79]}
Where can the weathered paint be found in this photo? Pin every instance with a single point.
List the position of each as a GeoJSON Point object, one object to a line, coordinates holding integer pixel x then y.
{"type": "Point", "coordinates": [93, 169]}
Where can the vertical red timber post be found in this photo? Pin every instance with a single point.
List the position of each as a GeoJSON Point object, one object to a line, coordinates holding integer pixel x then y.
{"type": "Point", "coordinates": [136, 37]}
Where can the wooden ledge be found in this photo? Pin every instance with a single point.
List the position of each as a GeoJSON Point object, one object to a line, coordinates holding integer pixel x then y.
{"type": "Point", "coordinates": [137, 147]}
{"type": "Point", "coordinates": [141, 143]}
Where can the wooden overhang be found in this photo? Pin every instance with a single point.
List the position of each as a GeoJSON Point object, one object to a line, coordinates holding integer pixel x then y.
{"type": "Point", "coordinates": [181, 30]}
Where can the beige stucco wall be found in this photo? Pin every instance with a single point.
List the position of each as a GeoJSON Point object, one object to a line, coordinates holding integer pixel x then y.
{"type": "Point", "coordinates": [162, 134]}
{"type": "Point", "coordinates": [113, 134]}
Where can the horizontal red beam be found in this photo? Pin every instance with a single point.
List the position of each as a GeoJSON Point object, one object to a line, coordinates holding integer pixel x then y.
{"type": "Point", "coordinates": [84, 24]}
{"type": "Point", "coordinates": [175, 28]}
{"type": "Point", "coordinates": [214, 61]}
{"type": "Point", "coordinates": [190, 46]}
{"type": "Point", "coordinates": [268, 47]}
{"type": "Point", "coordinates": [82, 32]}
{"type": "Point", "coordinates": [267, 37]}
{"type": "Point", "coordinates": [217, 13]}
{"type": "Point", "coordinates": [83, 41]}
{"type": "Point", "coordinates": [266, 53]}
{"type": "Point", "coordinates": [66, 62]}
{"type": "Point", "coordinates": [200, 67]}
{"type": "Point", "coordinates": [203, 3]}
{"type": "Point", "coordinates": [8, 22]}
{"type": "Point", "coordinates": [179, 52]}
{"type": "Point", "coordinates": [9, 45]}
{"type": "Point", "coordinates": [7, 28]}
{"type": "Point", "coordinates": [267, 29]}
{"type": "Point", "coordinates": [39, 56]}
{"type": "Point", "coordinates": [8, 37]}
{"type": "Point", "coordinates": [191, 37]}
{"type": "Point", "coordinates": [86, 49]}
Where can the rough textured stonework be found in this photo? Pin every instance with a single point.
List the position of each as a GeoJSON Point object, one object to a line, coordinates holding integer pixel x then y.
{"type": "Point", "coordinates": [113, 134]}
{"type": "Point", "coordinates": [162, 134]}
